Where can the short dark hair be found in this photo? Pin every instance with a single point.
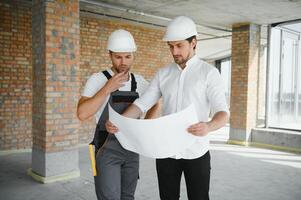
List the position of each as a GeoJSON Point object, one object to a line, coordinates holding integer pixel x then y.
{"type": "Point", "coordinates": [191, 38]}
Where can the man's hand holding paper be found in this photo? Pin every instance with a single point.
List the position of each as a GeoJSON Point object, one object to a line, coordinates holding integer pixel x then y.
{"type": "Point", "coordinates": [157, 138]}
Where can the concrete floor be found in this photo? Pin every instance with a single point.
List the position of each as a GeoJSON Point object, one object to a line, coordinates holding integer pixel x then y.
{"type": "Point", "coordinates": [238, 173]}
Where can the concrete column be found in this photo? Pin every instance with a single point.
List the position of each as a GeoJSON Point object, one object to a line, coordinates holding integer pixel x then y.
{"type": "Point", "coordinates": [244, 77]}
{"type": "Point", "coordinates": [55, 49]}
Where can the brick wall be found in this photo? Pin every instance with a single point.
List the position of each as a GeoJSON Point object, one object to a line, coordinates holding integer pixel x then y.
{"type": "Point", "coordinates": [15, 75]}
{"type": "Point", "coordinates": [16, 66]}
{"type": "Point", "coordinates": [152, 53]}
{"type": "Point", "coordinates": [56, 74]}
{"type": "Point", "coordinates": [244, 77]}
{"type": "Point", "coordinates": [240, 47]}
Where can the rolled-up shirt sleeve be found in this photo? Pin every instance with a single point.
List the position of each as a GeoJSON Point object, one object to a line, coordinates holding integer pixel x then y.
{"type": "Point", "coordinates": [151, 95]}
{"type": "Point", "coordinates": [93, 85]}
{"type": "Point", "coordinates": [216, 92]}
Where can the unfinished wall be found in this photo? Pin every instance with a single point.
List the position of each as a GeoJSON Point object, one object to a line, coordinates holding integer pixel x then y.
{"type": "Point", "coordinates": [16, 65]}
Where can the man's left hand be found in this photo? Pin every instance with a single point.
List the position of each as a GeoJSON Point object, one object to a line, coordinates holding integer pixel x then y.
{"type": "Point", "coordinates": [199, 129]}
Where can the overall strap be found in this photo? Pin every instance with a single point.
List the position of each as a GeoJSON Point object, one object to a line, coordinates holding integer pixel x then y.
{"type": "Point", "coordinates": [107, 74]}
{"type": "Point", "coordinates": [133, 83]}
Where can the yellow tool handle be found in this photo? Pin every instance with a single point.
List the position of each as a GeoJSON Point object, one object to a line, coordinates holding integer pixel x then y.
{"type": "Point", "coordinates": [92, 158]}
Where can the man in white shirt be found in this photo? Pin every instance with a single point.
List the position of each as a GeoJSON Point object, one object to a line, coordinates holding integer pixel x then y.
{"type": "Point", "coordinates": [188, 80]}
{"type": "Point", "coordinates": [117, 168]}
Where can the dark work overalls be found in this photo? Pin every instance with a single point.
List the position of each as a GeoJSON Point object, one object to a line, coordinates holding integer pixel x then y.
{"type": "Point", "coordinates": [117, 168]}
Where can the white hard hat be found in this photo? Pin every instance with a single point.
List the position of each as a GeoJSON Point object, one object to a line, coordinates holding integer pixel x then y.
{"type": "Point", "coordinates": [121, 41]}
{"type": "Point", "coordinates": [180, 28]}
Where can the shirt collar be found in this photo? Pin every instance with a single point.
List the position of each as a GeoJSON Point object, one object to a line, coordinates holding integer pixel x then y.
{"type": "Point", "coordinates": [189, 63]}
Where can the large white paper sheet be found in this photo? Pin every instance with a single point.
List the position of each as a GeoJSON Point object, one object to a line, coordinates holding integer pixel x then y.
{"type": "Point", "coordinates": [156, 138]}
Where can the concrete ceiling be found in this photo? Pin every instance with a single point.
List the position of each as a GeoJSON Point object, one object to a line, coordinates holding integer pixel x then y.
{"type": "Point", "coordinates": [214, 18]}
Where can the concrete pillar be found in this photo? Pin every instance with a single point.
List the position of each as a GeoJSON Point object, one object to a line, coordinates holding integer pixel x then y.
{"type": "Point", "coordinates": [55, 49]}
{"type": "Point", "coordinates": [244, 77]}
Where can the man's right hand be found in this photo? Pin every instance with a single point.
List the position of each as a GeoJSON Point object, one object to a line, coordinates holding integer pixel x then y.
{"type": "Point", "coordinates": [116, 81]}
{"type": "Point", "coordinates": [111, 128]}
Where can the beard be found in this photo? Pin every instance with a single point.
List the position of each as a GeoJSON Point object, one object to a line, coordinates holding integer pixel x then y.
{"type": "Point", "coordinates": [180, 59]}
{"type": "Point", "coordinates": [124, 69]}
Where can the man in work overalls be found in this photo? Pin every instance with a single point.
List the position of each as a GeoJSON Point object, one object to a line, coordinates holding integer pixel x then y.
{"type": "Point", "coordinates": [188, 80]}
{"type": "Point", "coordinates": [117, 169]}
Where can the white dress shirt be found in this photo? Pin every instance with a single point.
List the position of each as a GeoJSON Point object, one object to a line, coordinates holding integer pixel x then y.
{"type": "Point", "coordinates": [198, 83]}
{"type": "Point", "coordinates": [98, 80]}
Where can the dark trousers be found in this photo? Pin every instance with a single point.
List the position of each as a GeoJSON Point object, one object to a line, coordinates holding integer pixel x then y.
{"type": "Point", "coordinates": [196, 173]}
